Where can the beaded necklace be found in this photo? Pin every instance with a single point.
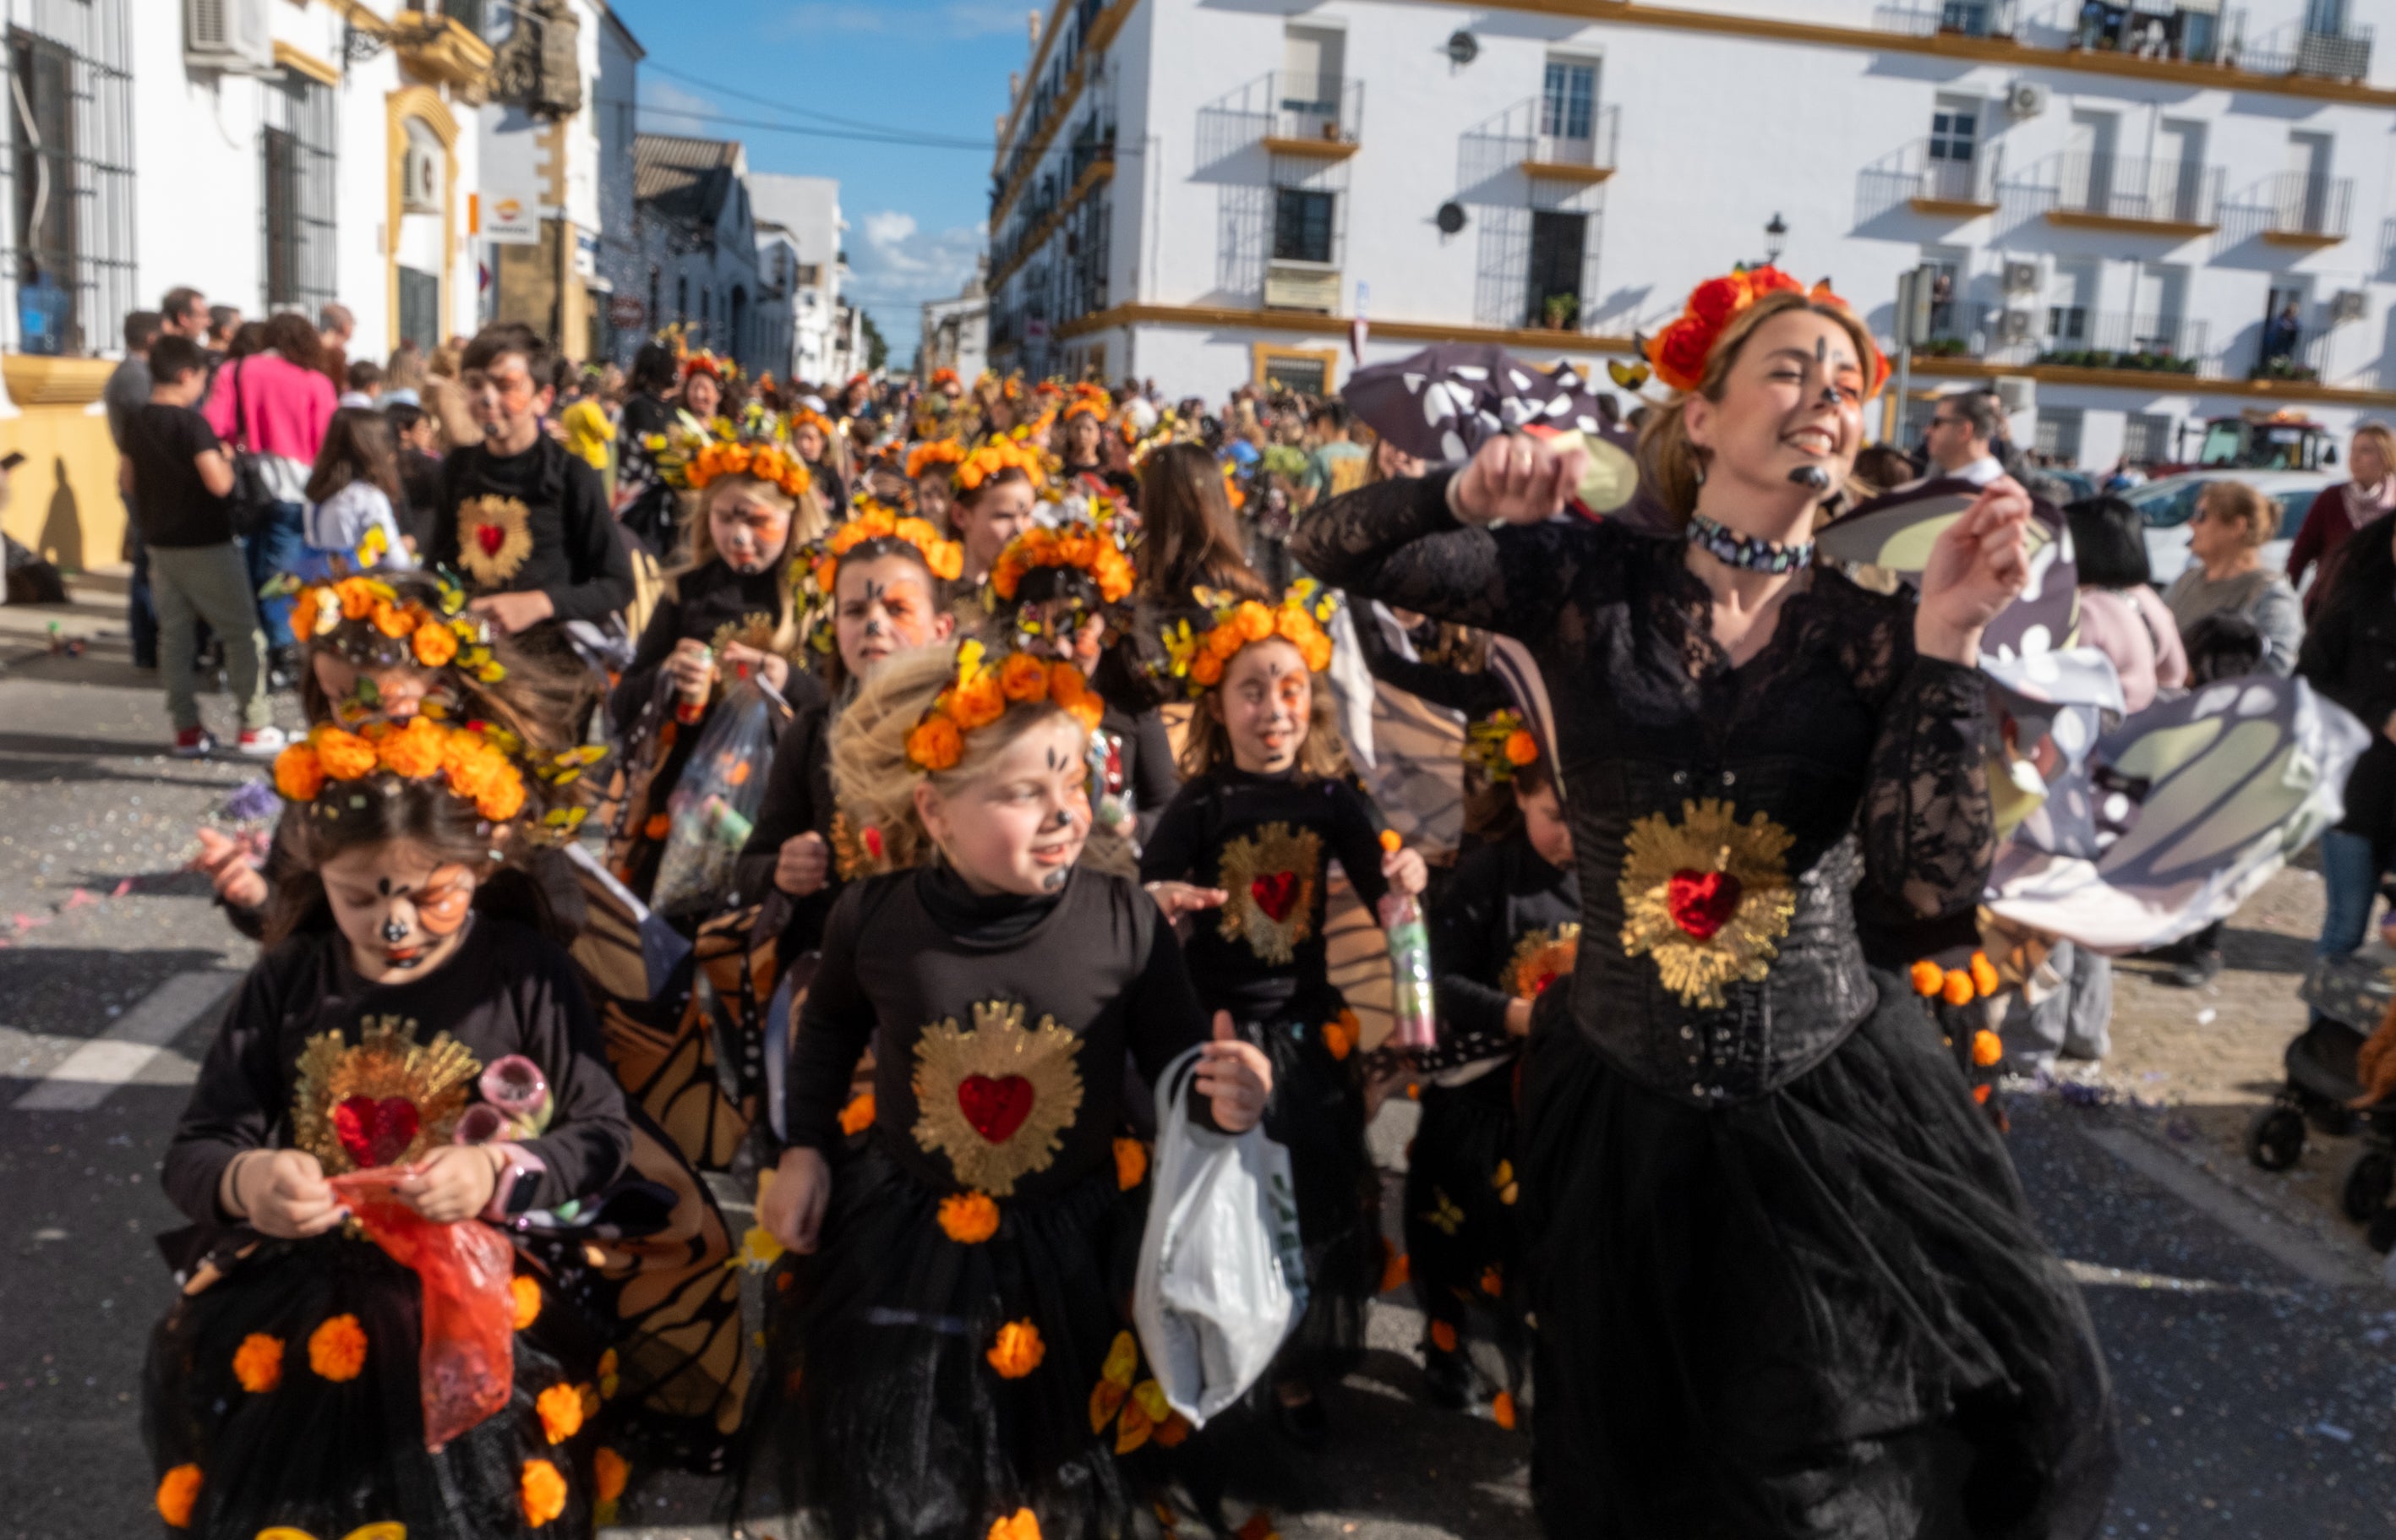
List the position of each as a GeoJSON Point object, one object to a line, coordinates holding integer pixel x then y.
{"type": "Point", "coordinates": [1746, 551]}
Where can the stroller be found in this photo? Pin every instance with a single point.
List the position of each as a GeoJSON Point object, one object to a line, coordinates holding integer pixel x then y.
{"type": "Point", "coordinates": [2350, 996]}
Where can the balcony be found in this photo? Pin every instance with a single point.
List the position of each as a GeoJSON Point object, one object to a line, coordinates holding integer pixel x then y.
{"type": "Point", "coordinates": [2307, 211]}
{"type": "Point", "coordinates": [2122, 342]}
{"type": "Point", "coordinates": [1585, 158]}
{"type": "Point", "coordinates": [1960, 18]}
{"type": "Point", "coordinates": [1314, 116]}
{"type": "Point", "coordinates": [1937, 183]}
{"type": "Point", "coordinates": [2312, 53]}
{"type": "Point", "coordinates": [2186, 34]}
{"type": "Point", "coordinates": [2136, 195]}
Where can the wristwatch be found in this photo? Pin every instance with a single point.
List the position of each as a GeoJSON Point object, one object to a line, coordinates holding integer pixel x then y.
{"type": "Point", "coordinates": [511, 1195]}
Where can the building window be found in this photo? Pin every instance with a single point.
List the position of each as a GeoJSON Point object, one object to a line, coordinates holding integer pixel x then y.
{"type": "Point", "coordinates": [1301, 225]}
{"type": "Point", "coordinates": [1954, 130]}
{"type": "Point", "coordinates": [2145, 438]}
{"type": "Point", "coordinates": [1304, 371]}
{"type": "Point", "coordinates": [70, 150]}
{"type": "Point", "coordinates": [1568, 106]}
{"type": "Point", "coordinates": [2058, 435]}
{"type": "Point", "coordinates": [296, 165]}
{"type": "Point", "coordinates": [419, 308]}
{"type": "Point", "coordinates": [1558, 245]}
{"type": "Point", "coordinates": [655, 278]}
{"type": "Point", "coordinates": [682, 298]}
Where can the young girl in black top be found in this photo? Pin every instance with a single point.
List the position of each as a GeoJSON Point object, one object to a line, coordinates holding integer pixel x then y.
{"type": "Point", "coordinates": [728, 613]}
{"type": "Point", "coordinates": [935, 1353]}
{"type": "Point", "coordinates": [1256, 828]}
{"type": "Point", "coordinates": [408, 1072]}
{"type": "Point", "coordinates": [1503, 927]}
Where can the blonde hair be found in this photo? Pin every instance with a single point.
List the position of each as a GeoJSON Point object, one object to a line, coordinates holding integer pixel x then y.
{"type": "Point", "coordinates": [2381, 439]}
{"type": "Point", "coordinates": [872, 777]}
{"type": "Point", "coordinates": [807, 522]}
{"type": "Point", "coordinates": [1670, 462]}
{"type": "Point", "coordinates": [2235, 500]}
{"type": "Point", "coordinates": [1208, 746]}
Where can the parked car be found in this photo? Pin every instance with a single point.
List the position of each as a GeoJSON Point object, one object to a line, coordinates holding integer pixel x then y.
{"type": "Point", "coordinates": [2168, 505]}
{"type": "Point", "coordinates": [2082, 484]}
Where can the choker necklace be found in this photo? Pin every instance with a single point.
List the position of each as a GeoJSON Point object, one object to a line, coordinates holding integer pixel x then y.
{"type": "Point", "coordinates": [1732, 548]}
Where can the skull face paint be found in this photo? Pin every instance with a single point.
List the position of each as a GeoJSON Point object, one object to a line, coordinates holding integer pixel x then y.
{"type": "Point", "coordinates": [400, 909]}
{"type": "Point", "coordinates": [884, 605]}
{"type": "Point", "coordinates": [750, 533]}
{"type": "Point", "coordinates": [1265, 703]}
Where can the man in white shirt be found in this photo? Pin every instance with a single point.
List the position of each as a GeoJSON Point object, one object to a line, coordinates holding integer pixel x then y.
{"type": "Point", "coordinates": [1964, 427]}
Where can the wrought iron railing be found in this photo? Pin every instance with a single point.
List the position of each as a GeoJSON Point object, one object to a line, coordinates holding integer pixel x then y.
{"type": "Point", "coordinates": [1325, 107]}
{"type": "Point", "coordinates": [2138, 188]}
{"type": "Point", "coordinates": [1595, 151]}
{"type": "Point", "coordinates": [2156, 343]}
{"type": "Point", "coordinates": [2307, 204]}
{"type": "Point", "coordinates": [1968, 18]}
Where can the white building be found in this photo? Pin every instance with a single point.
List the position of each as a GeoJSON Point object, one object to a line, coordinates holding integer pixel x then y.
{"type": "Point", "coordinates": [2122, 208]}
{"type": "Point", "coordinates": [808, 210]}
{"type": "Point", "coordinates": [557, 153]}
{"type": "Point", "coordinates": [273, 155]}
{"type": "Point", "coordinates": [956, 331]}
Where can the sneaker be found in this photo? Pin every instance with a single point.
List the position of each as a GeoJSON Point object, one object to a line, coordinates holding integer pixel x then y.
{"type": "Point", "coordinates": [263, 743]}
{"type": "Point", "coordinates": [194, 743]}
{"type": "Point", "coordinates": [2195, 971]}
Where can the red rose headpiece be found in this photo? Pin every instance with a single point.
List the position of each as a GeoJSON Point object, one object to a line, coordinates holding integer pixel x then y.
{"type": "Point", "coordinates": [1679, 352]}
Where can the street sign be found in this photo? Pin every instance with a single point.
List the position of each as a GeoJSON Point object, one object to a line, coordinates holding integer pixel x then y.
{"type": "Point", "coordinates": [510, 219]}
{"type": "Point", "coordinates": [625, 312]}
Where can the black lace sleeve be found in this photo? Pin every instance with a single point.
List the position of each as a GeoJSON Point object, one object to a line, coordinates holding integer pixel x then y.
{"type": "Point", "coordinates": [1930, 833]}
{"type": "Point", "coordinates": [1397, 542]}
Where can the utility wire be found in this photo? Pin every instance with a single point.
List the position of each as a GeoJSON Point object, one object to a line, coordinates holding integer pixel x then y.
{"type": "Point", "coordinates": [785, 107]}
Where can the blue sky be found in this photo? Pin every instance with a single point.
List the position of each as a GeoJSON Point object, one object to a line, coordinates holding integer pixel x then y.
{"type": "Point", "coordinates": [917, 215]}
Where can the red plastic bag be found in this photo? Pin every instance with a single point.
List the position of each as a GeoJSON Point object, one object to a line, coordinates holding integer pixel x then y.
{"type": "Point", "coordinates": [466, 1368]}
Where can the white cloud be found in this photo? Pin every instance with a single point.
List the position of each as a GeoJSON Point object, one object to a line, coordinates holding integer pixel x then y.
{"type": "Point", "coordinates": [664, 96]}
{"type": "Point", "coordinates": [895, 265]}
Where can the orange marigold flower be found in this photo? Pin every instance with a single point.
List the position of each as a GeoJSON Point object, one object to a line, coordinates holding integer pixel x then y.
{"type": "Point", "coordinates": [609, 1471]}
{"type": "Point", "coordinates": [1018, 1350]}
{"type": "Point", "coordinates": [1987, 1048]}
{"type": "Point", "coordinates": [392, 619]}
{"type": "Point", "coordinates": [1984, 974]}
{"type": "Point", "coordinates": [1317, 653]}
{"type": "Point", "coordinates": [968, 1218]}
{"type": "Point", "coordinates": [257, 1362]}
{"type": "Point", "coordinates": [947, 560]}
{"type": "Point", "coordinates": [1131, 1164]}
{"type": "Point", "coordinates": [1065, 684]}
{"type": "Point", "coordinates": [1023, 677]}
{"type": "Point", "coordinates": [542, 1490]}
{"type": "Point", "coordinates": [1022, 1525]}
{"type": "Point", "coordinates": [935, 744]}
{"type": "Point", "coordinates": [304, 615]}
{"type": "Point", "coordinates": [357, 598]}
{"type": "Point", "coordinates": [299, 775]}
{"type": "Point", "coordinates": [1338, 1039]}
{"type": "Point", "coordinates": [1207, 669]}
{"type": "Point", "coordinates": [1521, 746]}
{"type": "Point", "coordinates": [1443, 1336]}
{"type": "Point", "coordinates": [559, 1408]}
{"type": "Point", "coordinates": [978, 704]}
{"type": "Point", "coordinates": [524, 1301]}
{"type": "Point", "coordinates": [433, 646]}
{"type": "Point", "coordinates": [1501, 1410]}
{"type": "Point", "coordinates": [337, 1349]}
{"type": "Point", "coordinates": [1679, 352]}
{"type": "Point", "coordinates": [503, 800]}
{"type": "Point", "coordinates": [344, 755]}
{"type": "Point", "coordinates": [1928, 978]}
{"type": "Point", "coordinates": [1958, 989]}
{"type": "Point", "coordinates": [1254, 620]}
{"type": "Point", "coordinates": [179, 1490]}
{"type": "Point", "coordinates": [1089, 712]}
{"type": "Point", "coordinates": [858, 1115]}
{"type": "Point", "coordinates": [1293, 625]}
{"type": "Point", "coordinates": [415, 750]}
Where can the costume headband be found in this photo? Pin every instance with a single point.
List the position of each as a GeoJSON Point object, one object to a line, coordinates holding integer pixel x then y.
{"type": "Point", "coordinates": [1679, 352]}
{"type": "Point", "coordinates": [367, 621]}
{"type": "Point", "coordinates": [692, 461]}
{"type": "Point", "coordinates": [481, 763]}
{"type": "Point", "coordinates": [995, 456]}
{"type": "Point", "coordinates": [818, 568]}
{"type": "Point", "coordinates": [979, 694]}
{"type": "Point", "coordinates": [1501, 745]}
{"type": "Point", "coordinates": [920, 459]}
{"type": "Point", "coordinates": [1199, 657]}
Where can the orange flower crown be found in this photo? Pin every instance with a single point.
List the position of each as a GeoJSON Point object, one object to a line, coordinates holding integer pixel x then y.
{"type": "Point", "coordinates": [756, 448]}
{"type": "Point", "coordinates": [808, 417]}
{"type": "Point", "coordinates": [365, 619]}
{"type": "Point", "coordinates": [1500, 744]}
{"type": "Point", "coordinates": [920, 459]}
{"type": "Point", "coordinates": [818, 568]}
{"type": "Point", "coordinates": [995, 456]}
{"type": "Point", "coordinates": [979, 694]}
{"type": "Point", "coordinates": [484, 764]}
{"type": "Point", "coordinates": [1093, 547]}
{"type": "Point", "coordinates": [1090, 400]}
{"type": "Point", "coordinates": [1199, 657]}
{"type": "Point", "coordinates": [1678, 354]}
{"type": "Point", "coordinates": [943, 376]}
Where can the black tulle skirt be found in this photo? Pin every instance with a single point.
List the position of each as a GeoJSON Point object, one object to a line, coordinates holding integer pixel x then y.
{"type": "Point", "coordinates": [879, 1413]}
{"type": "Point", "coordinates": [1463, 1244]}
{"type": "Point", "coordinates": [1822, 1313]}
{"type": "Point", "coordinates": [327, 1456]}
{"type": "Point", "coordinates": [1317, 1113]}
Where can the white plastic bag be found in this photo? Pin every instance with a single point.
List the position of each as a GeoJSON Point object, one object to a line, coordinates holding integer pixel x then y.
{"type": "Point", "coordinates": [1222, 1271]}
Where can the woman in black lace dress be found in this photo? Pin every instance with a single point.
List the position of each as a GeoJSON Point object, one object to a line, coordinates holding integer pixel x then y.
{"type": "Point", "coordinates": [1785, 1279]}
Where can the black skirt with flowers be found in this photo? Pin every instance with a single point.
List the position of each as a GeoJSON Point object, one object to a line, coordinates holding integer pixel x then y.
{"type": "Point", "coordinates": [1463, 1246]}
{"type": "Point", "coordinates": [890, 1405]}
{"type": "Point", "coordinates": [286, 1392]}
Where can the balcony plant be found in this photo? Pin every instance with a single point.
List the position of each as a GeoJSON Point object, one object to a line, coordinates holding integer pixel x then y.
{"type": "Point", "coordinates": [1560, 309]}
{"type": "Point", "coordinates": [2286, 370]}
{"type": "Point", "coordinates": [1945, 347]}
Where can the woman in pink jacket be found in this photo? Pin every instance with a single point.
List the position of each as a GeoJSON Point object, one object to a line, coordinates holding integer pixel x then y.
{"type": "Point", "coordinates": [276, 404]}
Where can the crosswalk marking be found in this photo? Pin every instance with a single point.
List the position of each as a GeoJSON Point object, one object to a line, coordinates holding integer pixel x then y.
{"type": "Point", "coordinates": [97, 1065]}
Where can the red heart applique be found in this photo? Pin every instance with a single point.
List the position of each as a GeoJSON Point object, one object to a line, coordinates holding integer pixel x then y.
{"type": "Point", "coordinates": [375, 1133]}
{"type": "Point", "coordinates": [1275, 895]}
{"type": "Point", "coordinates": [1701, 902]}
{"type": "Point", "coordinates": [996, 1106]}
{"type": "Point", "coordinates": [489, 536]}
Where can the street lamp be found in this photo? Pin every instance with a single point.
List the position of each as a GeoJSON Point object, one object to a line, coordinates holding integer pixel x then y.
{"type": "Point", "coordinates": [1775, 236]}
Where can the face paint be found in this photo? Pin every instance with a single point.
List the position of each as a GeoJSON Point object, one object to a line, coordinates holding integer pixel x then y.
{"type": "Point", "coordinates": [448, 895]}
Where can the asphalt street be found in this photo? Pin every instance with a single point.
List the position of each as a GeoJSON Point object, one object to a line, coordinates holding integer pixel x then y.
{"type": "Point", "coordinates": [2254, 1362]}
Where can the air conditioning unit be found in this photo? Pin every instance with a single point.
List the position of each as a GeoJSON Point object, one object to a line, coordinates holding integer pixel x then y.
{"type": "Point", "coordinates": [2026, 98]}
{"type": "Point", "coordinates": [2021, 277]}
{"type": "Point", "coordinates": [2016, 393]}
{"type": "Point", "coordinates": [2016, 326]}
{"type": "Point", "coordinates": [230, 37]}
{"type": "Point", "coordinates": [421, 191]}
{"type": "Point", "coordinates": [2344, 306]}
